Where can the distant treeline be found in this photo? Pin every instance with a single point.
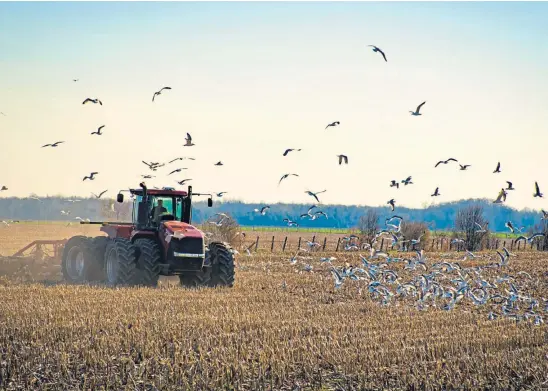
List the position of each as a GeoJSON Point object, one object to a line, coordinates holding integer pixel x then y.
{"type": "Point", "coordinates": [438, 217]}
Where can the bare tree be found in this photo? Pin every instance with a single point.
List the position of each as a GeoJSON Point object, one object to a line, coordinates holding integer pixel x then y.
{"type": "Point", "coordinates": [228, 231]}
{"type": "Point", "coordinates": [368, 225]}
{"type": "Point", "coordinates": [414, 230]}
{"type": "Point", "coordinates": [467, 227]}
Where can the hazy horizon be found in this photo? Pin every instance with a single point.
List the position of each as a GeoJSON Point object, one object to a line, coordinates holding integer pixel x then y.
{"type": "Point", "coordinates": [252, 79]}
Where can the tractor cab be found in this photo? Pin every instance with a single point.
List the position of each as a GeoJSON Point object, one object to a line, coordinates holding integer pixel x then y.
{"type": "Point", "coordinates": [151, 207]}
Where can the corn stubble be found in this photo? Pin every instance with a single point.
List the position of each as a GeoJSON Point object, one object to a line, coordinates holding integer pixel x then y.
{"type": "Point", "coordinates": [279, 328]}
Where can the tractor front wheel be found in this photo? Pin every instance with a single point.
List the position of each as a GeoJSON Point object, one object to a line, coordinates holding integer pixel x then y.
{"type": "Point", "coordinates": [220, 273]}
{"type": "Point", "coordinates": [120, 262]}
{"type": "Point", "coordinates": [222, 265]}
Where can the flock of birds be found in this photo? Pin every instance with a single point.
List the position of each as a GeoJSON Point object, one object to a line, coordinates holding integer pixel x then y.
{"type": "Point", "coordinates": [422, 284]}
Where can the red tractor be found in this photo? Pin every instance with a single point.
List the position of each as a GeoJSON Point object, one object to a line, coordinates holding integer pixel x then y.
{"type": "Point", "coordinates": [159, 241]}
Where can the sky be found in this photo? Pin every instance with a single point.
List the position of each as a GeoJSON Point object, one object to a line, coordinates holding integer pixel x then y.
{"type": "Point", "coordinates": [250, 79]}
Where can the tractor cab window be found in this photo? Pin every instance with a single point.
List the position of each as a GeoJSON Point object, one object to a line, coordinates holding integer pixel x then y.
{"type": "Point", "coordinates": [172, 207]}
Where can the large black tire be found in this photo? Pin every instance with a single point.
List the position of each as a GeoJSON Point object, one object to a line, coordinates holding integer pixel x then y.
{"type": "Point", "coordinates": [222, 260]}
{"type": "Point", "coordinates": [221, 273]}
{"type": "Point", "coordinates": [97, 247]}
{"type": "Point", "coordinates": [196, 279]}
{"type": "Point", "coordinates": [76, 260]}
{"type": "Point", "coordinates": [120, 262]}
{"type": "Point", "coordinates": [149, 257]}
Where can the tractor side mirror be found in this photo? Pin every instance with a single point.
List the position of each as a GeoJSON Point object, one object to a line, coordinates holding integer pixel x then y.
{"type": "Point", "coordinates": [120, 197]}
{"type": "Point", "coordinates": [209, 202]}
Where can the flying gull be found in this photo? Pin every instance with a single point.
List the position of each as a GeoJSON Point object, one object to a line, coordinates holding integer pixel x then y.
{"type": "Point", "coordinates": [333, 124]}
{"type": "Point", "coordinates": [464, 167]}
{"type": "Point", "coordinates": [446, 161]}
{"type": "Point", "coordinates": [315, 195]}
{"type": "Point", "coordinates": [55, 144]}
{"type": "Point", "coordinates": [343, 158]}
{"type": "Point", "coordinates": [377, 50]}
{"type": "Point", "coordinates": [436, 192]}
{"type": "Point", "coordinates": [188, 140]}
{"type": "Point", "coordinates": [98, 132]}
{"type": "Point", "coordinates": [289, 150]}
{"type": "Point", "coordinates": [510, 187]}
{"type": "Point", "coordinates": [286, 176]}
{"type": "Point", "coordinates": [497, 169]}
{"type": "Point", "coordinates": [537, 191]}
{"type": "Point", "coordinates": [92, 101]}
{"type": "Point", "coordinates": [160, 92]}
{"type": "Point", "coordinates": [91, 176]}
{"type": "Point", "coordinates": [417, 112]}
{"type": "Point", "coordinates": [100, 194]}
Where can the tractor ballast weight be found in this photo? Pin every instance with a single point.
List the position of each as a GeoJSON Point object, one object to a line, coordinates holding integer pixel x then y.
{"type": "Point", "coordinates": [159, 241]}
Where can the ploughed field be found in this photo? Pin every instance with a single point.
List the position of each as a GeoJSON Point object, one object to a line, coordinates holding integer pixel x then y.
{"type": "Point", "coordinates": [283, 326]}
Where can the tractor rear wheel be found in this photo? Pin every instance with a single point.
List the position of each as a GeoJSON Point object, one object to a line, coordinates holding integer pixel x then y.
{"type": "Point", "coordinates": [97, 247]}
{"type": "Point", "coordinates": [120, 262]}
{"type": "Point", "coordinates": [149, 257]}
{"type": "Point", "coordinates": [75, 262]}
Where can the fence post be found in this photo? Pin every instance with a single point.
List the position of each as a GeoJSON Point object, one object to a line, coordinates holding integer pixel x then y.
{"type": "Point", "coordinates": [257, 243]}
{"type": "Point", "coordinates": [519, 245]}
{"type": "Point", "coordinates": [504, 244]}
{"type": "Point", "coordinates": [299, 245]}
{"type": "Point", "coordinates": [433, 244]}
{"type": "Point", "coordinates": [338, 243]}
{"type": "Point", "coordinates": [497, 244]}
{"type": "Point", "coordinates": [272, 245]}
{"type": "Point", "coordinates": [285, 242]}
{"type": "Point", "coordinates": [382, 243]}
{"type": "Point", "coordinates": [511, 245]}
{"type": "Point", "coordinates": [314, 239]}
{"type": "Point", "coordinates": [324, 243]}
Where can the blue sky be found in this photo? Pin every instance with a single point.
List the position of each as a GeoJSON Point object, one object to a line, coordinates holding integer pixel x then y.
{"type": "Point", "coordinates": [251, 79]}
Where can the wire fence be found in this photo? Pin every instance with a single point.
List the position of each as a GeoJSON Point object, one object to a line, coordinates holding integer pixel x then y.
{"type": "Point", "coordinates": [327, 244]}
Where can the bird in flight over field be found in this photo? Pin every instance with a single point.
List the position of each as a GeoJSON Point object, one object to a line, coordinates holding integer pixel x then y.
{"type": "Point", "coordinates": [343, 158]}
{"type": "Point", "coordinates": [188, 140]}
{"type": "Point", "coordinates": [177, 170]}
{"type": "Point", "coordinates": [91, 176]}
{"type": "Point", "coordinates": [376, 49]}
{"type": "Point", "coordinates": [501, 197]}
{"type": "Point", "coordinates": [407, 181]}
{"type": "Point", "coordinates": [392, 204]}
{"type": "Point", "coordinates": [417, 112]}
{"type": "Point", "coordinates": [463, 167]}
{"type": "Point", "coordinates": [315, 195]}
{"type": "Point", "coordinates": [262, 210]}
{"type": "Point", "coordinates": [333, 124]}
{"type": "Point", "coordinates": [181, 158]}
{"type": "Point", "coordinates": [219, 163]}
{"type": "Point", "coordinates": [98, 132]}
{"type": "Point", "coordinates": [395, 184]}
{"type": "Point", "coordinates": [221, 194]}
{"type": "Point", "coordinates": [497, 169]}
{"type": "Point", "coordinates": [537, 191]}
{"type": "Point", "coordinates": [160, 92]}
{"type": "Point", "coordinates": [55, 144]}
{"type": "Point", "coordinates": [183, 181]}
{"type": "Point", "coordinates": [289, 150]}
{"type": "Point", "coordinates": [436, 192]}
{"type": "Point", "coordinates": [100, 194]}
{"type": "Point", "coordinates": [445, 161]}
{"type": "Point", "coordinates": [510, 187]}
{"type": "Point", "coordinates": [92, 101]}
{"type": "Point", "coordinates": [286, 176]}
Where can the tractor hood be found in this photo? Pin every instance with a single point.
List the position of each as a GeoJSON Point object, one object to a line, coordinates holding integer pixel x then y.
{"type": "Point", "coordinates": [179, 230]}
